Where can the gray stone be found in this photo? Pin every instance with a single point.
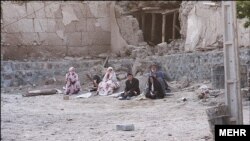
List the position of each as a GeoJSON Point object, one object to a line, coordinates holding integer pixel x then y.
{"type": "Point", "coordinates": [121, 76]}
{"type": "Point", "coordinates": [125, 127]}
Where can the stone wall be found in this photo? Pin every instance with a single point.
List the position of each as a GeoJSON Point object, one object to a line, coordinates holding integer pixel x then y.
{"type": "Point", "coordinates": [24, 73]}
{"type": "Point", "coordinates": [197, 67]}
{"type": "Point", "coordinates": [54, 29]}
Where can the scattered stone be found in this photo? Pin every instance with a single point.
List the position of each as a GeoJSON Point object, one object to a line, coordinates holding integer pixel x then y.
{"type": "Point", "coordinates": [121, 76]}
{"type": "Point", "coordinates": [20, 87]}
{"type": "Point", "coordinates": [69, 119]}
{"type": "Point", "coordinates": [215, 93]}
{"type": "Point", "coordinates": [184, 99]}
{"type": "Point", "coordinates": [65, 97]}
{"type": "Point", "coordinates": [184, 82]}
{"type": "Point", "coordinates": [169, 134]}
{"type": "Point", "coordinates": [125, 127]}
{"type": "Point", "coordinates": [202, 92]}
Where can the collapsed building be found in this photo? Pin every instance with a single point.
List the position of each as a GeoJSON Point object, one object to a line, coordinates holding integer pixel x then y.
{"type": "Point", "coordinates": [40, 40]}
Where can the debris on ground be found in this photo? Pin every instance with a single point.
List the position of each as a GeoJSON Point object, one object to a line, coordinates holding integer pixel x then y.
{"type": "Point", "coordinates": [85, 95]}
{"type": "Point", "coordinates": [202, 92]}
{"type": "Point", "coordinates": [125, 127]}
{"type": "Point", "coordinates": [40, 92]}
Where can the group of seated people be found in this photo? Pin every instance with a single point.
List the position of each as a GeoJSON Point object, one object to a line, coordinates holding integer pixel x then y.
{"type": "Point", "coordinates": [156, 85]}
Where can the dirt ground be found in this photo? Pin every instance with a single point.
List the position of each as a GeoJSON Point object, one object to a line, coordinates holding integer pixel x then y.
{"type": "Point", "coordinates": [41, 118]}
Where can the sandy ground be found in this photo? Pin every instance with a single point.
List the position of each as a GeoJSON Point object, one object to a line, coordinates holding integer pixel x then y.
{"type": "Point", "coordinates": [51, 118]}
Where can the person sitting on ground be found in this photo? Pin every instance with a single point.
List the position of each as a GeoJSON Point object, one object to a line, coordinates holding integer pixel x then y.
{"type": "Point", "coordinates": [131, 88]}
{"type": "Point", "coordinates": [72, 82]}
{"type": "Point", "coordinates": [154, 89]}
{"type": "Point", "coordinates": [160, 76]}
{"type": "Point", "coordinates": [109, 83]}
{"type": "Point", "coordinates": [96, 80]}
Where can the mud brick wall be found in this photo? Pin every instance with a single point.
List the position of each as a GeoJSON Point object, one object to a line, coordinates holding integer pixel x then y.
{"type": "Point", "coordinates": [54, 29]}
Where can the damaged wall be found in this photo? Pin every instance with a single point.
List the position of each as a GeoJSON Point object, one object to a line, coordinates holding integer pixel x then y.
{"type": "Point", "coordinates": [202, 26]}
{"type": "Point", "coordinates": [54, 29]}
{"type": "Point", "coordinates": [117, 41]}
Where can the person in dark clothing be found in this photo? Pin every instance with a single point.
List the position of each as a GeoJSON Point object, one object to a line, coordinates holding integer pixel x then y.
{"type": "Point", "coordinates": [96, 80]}
{"type": "Point", "coordinates": [131, 88]}
{"type": "Point", "coordinates": [161, 77]}
{"type": "Point", "coordinates": [154, 89]}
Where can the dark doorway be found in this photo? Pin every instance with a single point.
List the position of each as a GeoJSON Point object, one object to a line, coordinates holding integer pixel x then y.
{"type": "Point", "coordinates": [170, 33]}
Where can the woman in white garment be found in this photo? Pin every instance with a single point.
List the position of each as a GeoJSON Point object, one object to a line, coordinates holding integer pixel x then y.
{"type": "Point", "coordinates": [109, 83]}
{"type": "Point", "coordinates": [72, 82]}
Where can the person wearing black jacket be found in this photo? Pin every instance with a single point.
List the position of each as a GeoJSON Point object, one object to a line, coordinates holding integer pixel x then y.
{"type": "Point", "coordinates": [154, 90]}
{"type": "Point", "coordinates": [131, 88]}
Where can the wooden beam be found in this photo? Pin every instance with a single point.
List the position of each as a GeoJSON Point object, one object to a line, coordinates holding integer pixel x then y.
{"type": "Point", "coordinates": [161, 11]}
{"type": "Point", "coordinates": [174, 22]}
{"type": "Point", "coordinates": [176, 27]}
{"type": "Point", "coordinates": [151, 8]}
{"type": "Point", "coordinates": [143, 22]}
{"type": "Point", "coordinates": [170, 11]}
{"type": "Point", "coordinates": [153, 27]}
{"type": "Point", "coordinates": [40, 92]}
{"type": "Point", "coordinates": [131, 12]}
{"type": "Point", "coordinates": [163, 28]}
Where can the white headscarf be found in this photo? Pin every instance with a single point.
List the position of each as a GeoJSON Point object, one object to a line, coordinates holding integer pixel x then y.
{"type": "Point", "coordinates": [71, 69]}
{"type": "Point", "coordinates": [110, 68]}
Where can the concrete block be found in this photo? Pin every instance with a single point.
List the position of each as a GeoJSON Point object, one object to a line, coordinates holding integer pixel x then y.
{"type": "Point", "coordinates": [58, 51]}
{"type": "Point", "coordinates": [26, 25]}
{"type": "Point", "coordinates": [92, 9]}
{"type": "Point", "coordinates": [81, 25]}
{"type": "Point", "coordinates": [10, 10]}
{"type": "Point", "coordinates": [91, 24]}
{"type": "Point", "coordinates": [84, 9]}
{"type": "Point", "coordinates": [97, 49]}
{"type": "Point", "coordinates": [29, 38]}
{"type": "Point", "coordinates": [12, 38]}
{"type": "Point", "coordinates": [125, 127]}
{"type": "Point", "coordinates": [74, 39]}
{"type": "Point", "coordinates": [33, 7]}
{"type": "Point", "coordinates": [71, 27]}
{"type": "Point", "coordinates": [43, 38]}
{"type": "Point", "coordinates": [59, 25]}
{"type": "Point", "coordinates": [104, 38]}
{"type": "Point", "coordinates": [101, 38]}
{"type": "Point", "coordinates": [51, 10]}
{"type": "Point", "coordinates": [54, 39]}
{"type": "Point", "coordinates": [51, 25]}
{"type": "Point", "coordinates": [78, 51]}
{"type": "Point", "coordinates": [12, 28]}
{"type": "Point", "coordinates": [87, 38]}
{"type": "Point", "coordinates": [103, 24]}
{"type": "Point", "coordinates": [68, 14]}
{"type": "Point", "coordinates": [40, 25]}
{"type": "Point", "coordinates": [29, 10]}
{"type": "Point", "coordinates": [77, 10]}
{"type": "Point", "coordinates": [103, 9]}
